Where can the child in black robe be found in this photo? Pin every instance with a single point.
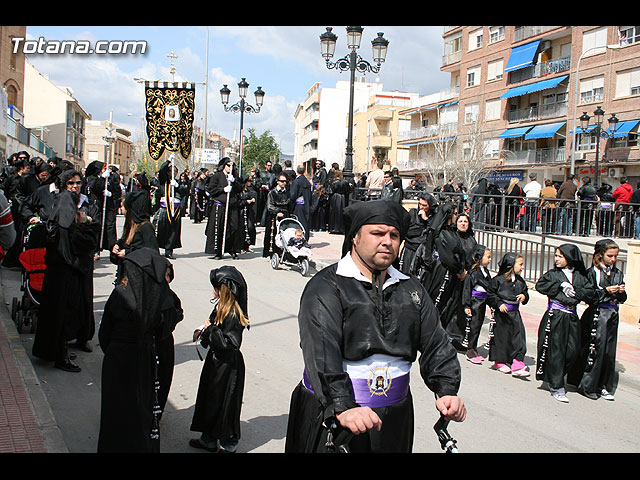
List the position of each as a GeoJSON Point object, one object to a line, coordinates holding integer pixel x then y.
{"type": "Point", "coordinates": [595, 372]}
{"type": "Point", "coordinates": [474, 301]}
{"type": "Point", "coordinates": [219, 400]}
{"type": "Point", "coordinates": [566, 285]}
{"type": "Point", "coordinates": [507, 291]}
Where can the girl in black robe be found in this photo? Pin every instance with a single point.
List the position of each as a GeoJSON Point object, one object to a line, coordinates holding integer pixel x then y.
{"type": "Point", "coordinates": [138, 232]}
{"type": "Point", "coordinates": [474, 301]}
{"type": "Point", "coordinates": [319, 200]}
{"type": "Point", "coordinates": [219, 400]}
{"type": "Point", "coordinates": [66, 308]}
{"type": "Point", "coordinates": [595, 372]}
{"type": "Point", "coordinates": [507, 291]}
{"type": "Point", "coordinates": [337, 203]}
{"type": "Point", "coordinates": [566, 285]}
{"type": "Point", "coordinates": [136, 336]}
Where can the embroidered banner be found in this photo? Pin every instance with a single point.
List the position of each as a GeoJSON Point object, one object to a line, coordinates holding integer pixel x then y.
{"type": "Point", "coordinates": [170, 112]}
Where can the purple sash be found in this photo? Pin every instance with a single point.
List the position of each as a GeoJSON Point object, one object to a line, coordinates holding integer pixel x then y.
{"type": "Point", "coordinates": [478, 294]}
{"type": "Point", "coordinates": [366, 395]}
{"type": "Point", "coordinates": [607, 305]}
{"type": "Point", "coordinates": [511, 307]}
{"type": "Point", "coordinates": [299, 201]}
{"type": "Point", "coordinates": [559, 306]}
{"type": "Point", "coordinates": [163, 202]}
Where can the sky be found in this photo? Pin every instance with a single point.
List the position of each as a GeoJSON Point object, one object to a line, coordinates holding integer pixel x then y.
{"type": "Point", "coordinates": [284, 60]}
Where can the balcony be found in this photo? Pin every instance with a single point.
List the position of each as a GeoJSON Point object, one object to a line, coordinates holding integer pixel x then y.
{"type": "Point", "coordinates": [451, 58]}
{"type": "Point", "coordinates": [540, 70]}
{"type": "Point", "coordinates": [538, 112]}
{"type": "Point", "coordinates": [529, 157]}
{"type": "Point", "coordinates": [521, 33]}
{"type": "Point", "coordinates": [428, 131]}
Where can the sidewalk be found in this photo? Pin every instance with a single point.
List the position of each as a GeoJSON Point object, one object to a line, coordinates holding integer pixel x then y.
{"type": "Point", "coordinates": [28, 425]}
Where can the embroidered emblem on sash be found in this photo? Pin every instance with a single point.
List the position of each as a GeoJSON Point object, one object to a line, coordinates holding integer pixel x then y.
{"type": "Point", "coordinates": [379, 381]}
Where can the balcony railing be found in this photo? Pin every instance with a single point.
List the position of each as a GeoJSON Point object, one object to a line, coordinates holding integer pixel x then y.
{"type": "Point", "coordinates": [540, 70]}
{"type": "Point", "coordinates": [539, 112]}
{"type": "Point", "coordinates": [429, 131]}
{"type": "Point", "coordinates": [451, 58]}
{"type": "Point", "coordinates": [540, 155]}
{"type": "Point", "coordinates": [521, 33]}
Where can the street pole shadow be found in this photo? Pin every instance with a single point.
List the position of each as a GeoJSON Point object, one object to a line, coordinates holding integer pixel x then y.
{"type": "Point", "coordinates": [261, 430]}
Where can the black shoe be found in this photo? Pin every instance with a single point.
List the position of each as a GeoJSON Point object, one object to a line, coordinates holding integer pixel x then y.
{"type": "Point", "coordinates": [67, 365]}
{"type": "Point", "coordinates": [196, 443]}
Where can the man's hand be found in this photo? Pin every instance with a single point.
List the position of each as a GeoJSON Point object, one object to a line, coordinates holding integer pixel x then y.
{"type": "Point", "coordinates": [451, 407]}
{"type": "Point", "coordinates": [359, 420]}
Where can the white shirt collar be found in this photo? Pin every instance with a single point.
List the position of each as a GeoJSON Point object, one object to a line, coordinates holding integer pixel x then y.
{"type": "Point", "coordinates": [348, 268]}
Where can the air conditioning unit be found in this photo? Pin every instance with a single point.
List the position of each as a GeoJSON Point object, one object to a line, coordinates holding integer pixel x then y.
{"type": "Point", "coordinates": [580, 155]}
{"type": "Point", "coordinates": [615, 172]}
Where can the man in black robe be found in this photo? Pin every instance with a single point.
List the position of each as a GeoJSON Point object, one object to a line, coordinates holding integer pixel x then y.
{"type": "Point", "coordinates": [300, 194]}
{"type": "Point", "coordinates": [387, 319]}
{"type": "Point", "coordinates": [97, 175]}
{"type": "Point", "coordinates": [277, 208]}
{"type": "Point", "coordinates": [419, 219]}
{"type": "Point", "coordinates": [169, 229]}
{"type": "Point", "coordinates": [224, 231]}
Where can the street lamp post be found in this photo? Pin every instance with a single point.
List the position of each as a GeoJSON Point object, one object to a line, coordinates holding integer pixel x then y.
{"type": "Point", "coordinates": [575, 100]}
{"type": "Point", "coordinates": [613, 125]}
{"type": "Point", "coordinates": [242, 106]}
{"type": "Point", "coordinates": [352, 62]}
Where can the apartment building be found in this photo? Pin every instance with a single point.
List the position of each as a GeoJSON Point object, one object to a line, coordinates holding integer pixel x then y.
{"type": "Point", "coordinates": [122, 153]}
{"type": "Point", "coordinates": [522, 90]}
{"type": "Point", "coordinates": [375, 131]}
{"type": "Point", "coordinates": [320, 121]}
{"type": "Point", "coordinates": [54, 110]}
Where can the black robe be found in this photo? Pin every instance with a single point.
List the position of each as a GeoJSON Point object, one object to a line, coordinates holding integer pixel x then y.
{"type": "Point", "coordinates": [248, 217]}
{"type": "Point", "coordinates": [277, 202]}
{"type": "Point", "coordinates": [300, 194]}
{"type": "Point", "coordinates": [509, 340]}
{"type": "Point", "coordinates": [95, 192]}
{"type": "Point", "coordinates": [337, 203]}
{"type": "Point", "coordinates": [339, 321]}
{"type": "Point", "coordinates": [136, 336]}
{"type": "Point", "coordinates": [218, 224]}
{"type": "Point", "coordinates": [559, 331]}
{"type": "Point", "coordinates": [66, 307]}
{"type": "Point", "coordinates": [477, 303]}
{"type": "Point", "coordinates": [596, 365]}
{"type": "Point", "coordinates": [453, 312]}
{"type": "Point", "coordinates": [221, 388]}
{"type": "Point", "coordinates": [169, 228]}
{"type": "Point", "coordinates": [318, 211]}
{"type": "Point", "coordinates": [416, 235]}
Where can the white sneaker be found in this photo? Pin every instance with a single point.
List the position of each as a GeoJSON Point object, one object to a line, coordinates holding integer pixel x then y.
{"type": "Point", "coordinates": [606, 395]}
{"type": "Point", "coordinates": [559, 394]}
{"type": "Point", "coordinates": [523, 372]}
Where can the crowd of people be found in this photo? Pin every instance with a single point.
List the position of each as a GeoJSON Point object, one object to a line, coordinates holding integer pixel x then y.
{"type": "Point", "coordinates": [573, 207]}
{"type": "Point", "coordinates": [409, 282]}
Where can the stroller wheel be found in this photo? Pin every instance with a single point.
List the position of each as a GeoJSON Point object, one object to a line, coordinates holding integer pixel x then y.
{"type": "Point", "coordinates": [20, 321]}
{"type": "Point", "coordinates": [275, 261]}
{"type": "Point", "coordinates": [304, 267]}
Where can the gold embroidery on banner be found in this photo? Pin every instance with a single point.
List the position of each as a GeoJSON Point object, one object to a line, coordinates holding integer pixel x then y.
{"type": "Point", "coordinates": [170, 113]}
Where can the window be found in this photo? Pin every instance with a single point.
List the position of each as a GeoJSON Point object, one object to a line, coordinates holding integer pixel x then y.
{"type": "Point", "coordinates": [471, 112]}
{"type": "Point", "coordinates": [592, 89]}
{"type": "Point", "coordinates": [475, 39]}
{"type": "Point", "coordinates": [593, 39]}
{"type": "Point", "coordinates": [628, 82]}
{"type": "Point", "coordinates": [629, 35]}
{"type": "Point", "coordinates": [473, 76]}
{"type": "Point", "coordinates": [495, 70]}
{"type": "Point", "coordinates": [491, 148]}
{"type": "Point", "coordinates": [492, 109]}
{"type": "Point", "coordinates": [496, 34]}
{"type": "Point", "coordinates": [628, 141]}
{"type": "Point", "coordinates": [587, 141]}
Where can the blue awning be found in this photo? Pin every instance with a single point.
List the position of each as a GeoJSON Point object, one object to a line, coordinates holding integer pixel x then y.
{"type": "Point", "coordinates": [522, 56]}
{"type": "Point", "coordinates": [586, 130]}
{"type": "Point", "coordinates": [514, 132]}
{"type": "Point", "coordinates": [534, 87]}
{"type": "Point", "coordinates": [544, 131]}
{"type": "Point", "coordinates": [623, 128]}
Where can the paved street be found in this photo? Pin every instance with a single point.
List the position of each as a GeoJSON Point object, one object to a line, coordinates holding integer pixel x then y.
{"type": "Point", "coordinates": [505, 414]}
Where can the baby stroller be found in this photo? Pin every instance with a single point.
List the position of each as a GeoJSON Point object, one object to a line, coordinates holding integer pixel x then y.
{"type": "Point", "coordinates": [25, 312]}
{"type": "Point", "coordinates": [285, 254]}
